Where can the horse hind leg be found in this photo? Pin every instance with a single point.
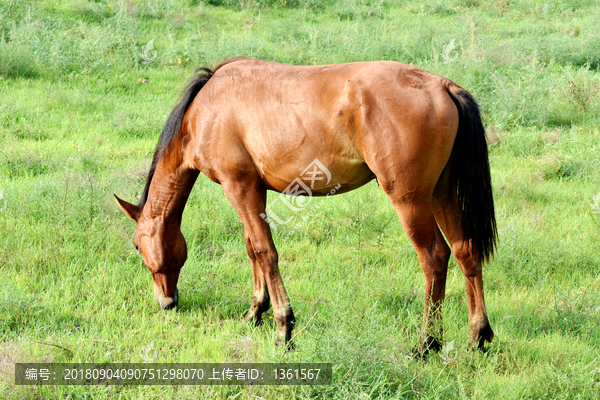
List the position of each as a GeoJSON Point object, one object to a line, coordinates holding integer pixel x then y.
{"type": "Point", "coordinates": [433, 252]}
{"type": "Point", "coordinates": [448, 216]}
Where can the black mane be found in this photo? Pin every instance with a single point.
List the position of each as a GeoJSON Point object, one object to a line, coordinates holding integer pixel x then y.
{"type": "Point", "coordinates": [173, 124]}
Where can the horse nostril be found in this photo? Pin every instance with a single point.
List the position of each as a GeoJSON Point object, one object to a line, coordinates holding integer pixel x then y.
{"type": "Point", "coordinates": [137, 248]}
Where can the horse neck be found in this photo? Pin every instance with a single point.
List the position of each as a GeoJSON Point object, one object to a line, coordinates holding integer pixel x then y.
{"type": "Point", "coordinates": [170, 188]}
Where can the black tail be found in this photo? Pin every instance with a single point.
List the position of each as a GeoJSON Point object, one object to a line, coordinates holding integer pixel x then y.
{"type": "Point", "coordinates": [173, 124]}
{"type": "Point", "coordinates": [472, 175]}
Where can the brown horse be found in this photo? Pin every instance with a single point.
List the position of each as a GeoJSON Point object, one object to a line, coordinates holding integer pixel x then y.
{"type": "Point", "coordinates": [254, 126]}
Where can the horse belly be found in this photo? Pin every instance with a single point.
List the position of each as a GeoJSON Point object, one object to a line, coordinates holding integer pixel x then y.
{"type": "Point", "coordinates": [318, 180]}
{"type": "Point", "coordinates": [313, 170]}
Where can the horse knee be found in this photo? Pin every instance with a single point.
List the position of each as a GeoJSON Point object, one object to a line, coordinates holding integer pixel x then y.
{"type": "Point", "coordinates": [266, 255]}
{"type": "Point", "coordinates": [261, 251]}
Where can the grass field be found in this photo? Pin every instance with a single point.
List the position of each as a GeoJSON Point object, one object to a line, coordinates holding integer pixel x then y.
{"type": "Point", "coordinates": [80, 114]}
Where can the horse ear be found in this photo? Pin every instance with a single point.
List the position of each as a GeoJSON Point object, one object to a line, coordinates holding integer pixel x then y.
{"type": "Point", "coordinates": [131, 210]}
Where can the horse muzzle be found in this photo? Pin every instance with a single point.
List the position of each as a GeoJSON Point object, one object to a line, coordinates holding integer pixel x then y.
{"type": "Point", "coordinates": [166, 303]}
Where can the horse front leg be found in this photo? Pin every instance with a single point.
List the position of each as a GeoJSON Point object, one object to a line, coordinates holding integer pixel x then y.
{"type": "Point", "coordinates": [282, 310]}
{"type": "Point", "coordinates": [248, 199]}
{"type": "Point", "coordinates": [260, 293]}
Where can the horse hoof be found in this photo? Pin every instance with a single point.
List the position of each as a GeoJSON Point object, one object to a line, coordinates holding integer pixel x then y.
{"type": "Point", "coordinates": [421, 352]}
{"type": "Point", "coordinates": [481, 333]}
{"type": "Point", "coordinates": [253, 318]}
{"type": "Point", "coordinates": [289, 345]}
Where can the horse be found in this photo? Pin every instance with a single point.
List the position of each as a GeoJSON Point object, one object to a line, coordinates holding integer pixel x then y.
{"type": "Point", "coordinates": [253, 126]}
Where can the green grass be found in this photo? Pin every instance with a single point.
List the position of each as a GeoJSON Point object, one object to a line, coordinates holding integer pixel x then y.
{"type": "Point", "coordinates": [77, 125]}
